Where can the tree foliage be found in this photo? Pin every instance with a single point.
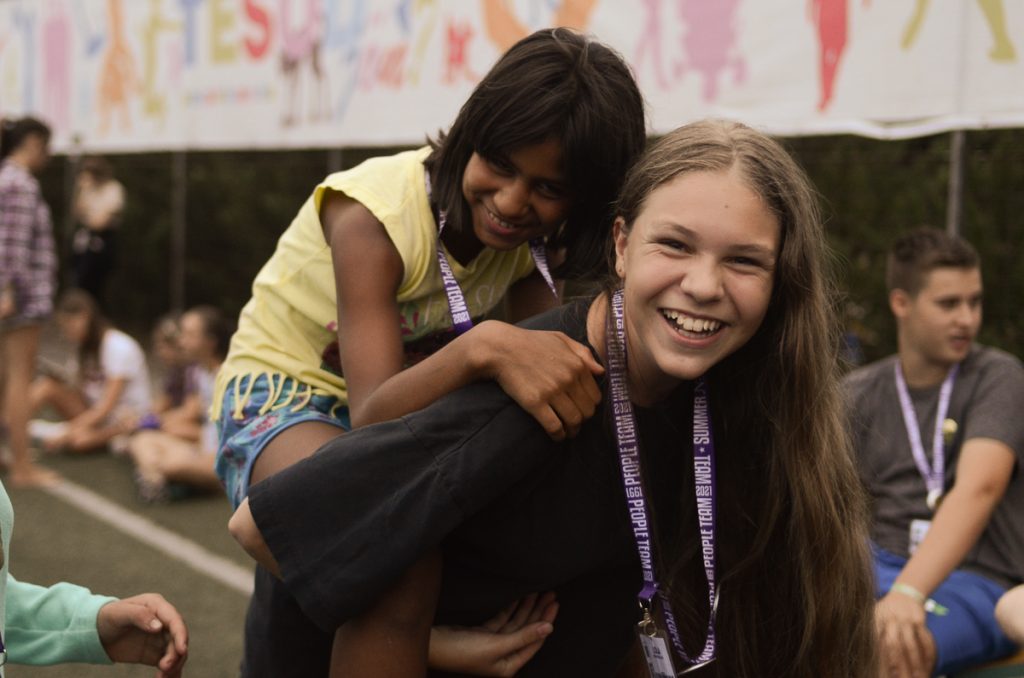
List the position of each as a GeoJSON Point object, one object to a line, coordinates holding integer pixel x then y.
{"type": "Point", "coordinates": [239, 203]}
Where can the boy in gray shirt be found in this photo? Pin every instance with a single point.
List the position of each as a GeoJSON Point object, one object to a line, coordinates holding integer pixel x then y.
{"type": "Point", "coordinates": [939, 437]}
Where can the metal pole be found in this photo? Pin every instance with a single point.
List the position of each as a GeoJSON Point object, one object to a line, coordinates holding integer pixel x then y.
{"type": "Point", "coordinates": [179, 208]}
{"type": "Point", "coordinates": [955, 199]}
{"type": "Point", "coordinates": [335, 160]}
{"type": "Point", "coordinates": [74, 160]}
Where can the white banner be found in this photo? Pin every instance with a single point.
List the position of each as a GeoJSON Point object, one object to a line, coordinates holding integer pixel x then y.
{"type": "Point", "coordinates": [137, 75]}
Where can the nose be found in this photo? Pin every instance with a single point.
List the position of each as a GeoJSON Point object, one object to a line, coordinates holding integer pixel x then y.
{"type": "Point", "coordinates": [512, 200]}
{"type": "Point", "coordinates": [966, 315]}
{"type": "Point", "coordinates": [702, 279]}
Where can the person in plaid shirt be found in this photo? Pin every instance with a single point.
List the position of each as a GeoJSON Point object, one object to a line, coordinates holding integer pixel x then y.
{"type": "Point", "coordinates": [27, 280]}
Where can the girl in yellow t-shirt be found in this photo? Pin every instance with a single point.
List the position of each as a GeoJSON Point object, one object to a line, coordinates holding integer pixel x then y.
{"type": "Point", "coordinates": [363, 313]}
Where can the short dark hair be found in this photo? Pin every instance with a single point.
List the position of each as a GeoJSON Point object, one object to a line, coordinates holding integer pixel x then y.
{"type": "Point", "coordinates": [14, 131]}
{"type": "Point", "coordinates": [913, 256]}
{"type": "Point", "coordinates": [555, 83]}
{"type": "Point", "coordinates": [97, 167]}
{"type": "Point", "coordinates": [216, 326]}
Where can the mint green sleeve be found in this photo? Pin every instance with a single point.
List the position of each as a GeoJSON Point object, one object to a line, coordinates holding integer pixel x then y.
{"type": "Point", "coordinates": [50, 625]}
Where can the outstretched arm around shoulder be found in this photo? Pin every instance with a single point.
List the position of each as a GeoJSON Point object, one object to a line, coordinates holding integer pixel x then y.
{"type": "Point", "coordinates": [548, 374]}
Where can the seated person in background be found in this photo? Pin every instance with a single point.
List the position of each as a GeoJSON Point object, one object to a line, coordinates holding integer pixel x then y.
{"type": "Point", "coordinates": [1010, 614]}
{"type": "Point", "coordinates": [166, 462]}
{"type": "Point", "coordinates": [178, 408]}
{"type": "Point", "coordinates": [110, 390]}
{"type": "Point", "coordinates": [939, 448]}
{"type": "Point", "coordinates": [173, 366]}
{"type": "Point", "coordinates": [66, 623]}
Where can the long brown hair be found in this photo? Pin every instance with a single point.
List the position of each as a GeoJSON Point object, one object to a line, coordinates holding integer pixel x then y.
{"type": "Point", "coordinates": [77, 302]}
{"type": "Point", "coordinates": [796, 594]}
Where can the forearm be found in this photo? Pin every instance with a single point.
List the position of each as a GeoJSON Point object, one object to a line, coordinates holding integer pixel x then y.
{"type": "Point", "coordinates": [955, 529]}
{"type": "Point", "coordinates": [466, 359]}
{"type": "Point", "coordinates": [90, 418]}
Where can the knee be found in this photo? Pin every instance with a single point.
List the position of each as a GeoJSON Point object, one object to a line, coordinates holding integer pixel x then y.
{"type": "Point", "coordinates": [243, 529]}
{"type": "Point", "coordinates": [1010, 614]}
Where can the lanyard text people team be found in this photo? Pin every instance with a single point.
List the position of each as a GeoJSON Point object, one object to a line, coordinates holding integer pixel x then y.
{"type": "Point", "coordinates": [935, 476]}
{"type": "Point", "coordinates": [461, 319]}
{"type": "Point", "coordinates": [704, 486]}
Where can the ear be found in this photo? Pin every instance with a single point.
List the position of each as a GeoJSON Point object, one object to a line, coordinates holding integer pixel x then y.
{"type": "Point", "coordinates": [900, 302]}
{"type": "Point", "coordinates": [621, 237]}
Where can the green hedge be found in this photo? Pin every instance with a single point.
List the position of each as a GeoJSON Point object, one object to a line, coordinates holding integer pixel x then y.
{"type": "Point", "coordinates": [240, 202]}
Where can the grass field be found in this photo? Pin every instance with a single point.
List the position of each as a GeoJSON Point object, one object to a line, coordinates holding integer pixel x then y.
{"type": "Point", "coordinates": [64, 535]}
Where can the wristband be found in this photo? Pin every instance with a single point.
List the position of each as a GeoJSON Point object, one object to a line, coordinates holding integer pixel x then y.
{"type": "Point", "coordinates": [149, 421]}
{"type": "Point", "coordinates": [909, 591]}
{"type": "Point", "coordinates": [929, 604]}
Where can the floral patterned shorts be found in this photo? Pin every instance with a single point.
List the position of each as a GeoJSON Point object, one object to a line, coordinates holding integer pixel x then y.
{"type": "Point", "coordinates": [241, 440]}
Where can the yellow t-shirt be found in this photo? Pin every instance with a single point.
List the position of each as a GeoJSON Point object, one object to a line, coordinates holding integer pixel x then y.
{"type": "Point", "coordinates": [289, 326]}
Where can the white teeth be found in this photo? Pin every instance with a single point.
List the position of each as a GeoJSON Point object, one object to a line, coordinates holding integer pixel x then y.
{"type": "Point", "coordinates": [501, 222]}
{"type": "Point", "coordinates": [698, 325]}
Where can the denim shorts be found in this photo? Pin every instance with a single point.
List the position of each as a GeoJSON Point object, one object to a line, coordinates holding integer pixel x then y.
{"type": "Point", "coordinates": [969, 634]}
{"type": "Point", "coordinates": [241, 440]}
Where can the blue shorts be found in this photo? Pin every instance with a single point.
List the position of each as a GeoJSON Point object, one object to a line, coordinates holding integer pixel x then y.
{"type": "Point", "coordinates": [969, 634]}
{"type": "Point", "coordinates": [241, 440]}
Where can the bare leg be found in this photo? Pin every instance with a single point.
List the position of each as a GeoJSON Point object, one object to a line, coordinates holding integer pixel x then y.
{"type": "Point", "coordinates": [291, 445]}
{"type": "Point", "coordinates": [184, 462]}
{"type": "Point", "coordinates": [68, 402]}
{"type": "Point", "coordinates": [93, 439]}
{"type": "Point", "coordinates": [19, 348]}
{"type": "Point", "coordinates": [145, 448]}
{"type": "Point", "coordinates": [392, 638]}
{"type": "Point", "coordinates": [1010, 614]}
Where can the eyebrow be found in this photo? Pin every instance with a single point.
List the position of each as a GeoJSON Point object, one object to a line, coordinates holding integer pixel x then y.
{"type": "Point", "coordinates": [743, 248]}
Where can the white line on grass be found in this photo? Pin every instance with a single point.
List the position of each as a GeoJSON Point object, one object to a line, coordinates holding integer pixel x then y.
{"type": "Point", "coordinates": [174, 545]}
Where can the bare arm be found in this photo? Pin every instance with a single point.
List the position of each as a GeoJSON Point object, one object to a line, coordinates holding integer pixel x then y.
{"type": "Point", "coordinates": [983, 473]}
{"type": "Point", "coordinates": [368, 271]}
{"type": "Point", "coordinates": [545, 372]}
{"type": "Point", "coordinates": [98, 411]}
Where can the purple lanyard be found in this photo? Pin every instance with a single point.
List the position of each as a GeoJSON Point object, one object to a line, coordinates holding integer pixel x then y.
{"type": "Point", "coordinates": [704, 485]}
{"type": "Point", "coordinates": [935, 476]}
{"type": "Point", "coordinates": [461, 320]}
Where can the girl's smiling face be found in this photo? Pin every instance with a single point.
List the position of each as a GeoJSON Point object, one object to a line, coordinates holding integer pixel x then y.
{"type": "Point", "coordinates": [698, 267]}
{"type": "Point", "coordinates": [74, 326]}
{"type": "Point", "coordinates": [516, 198]}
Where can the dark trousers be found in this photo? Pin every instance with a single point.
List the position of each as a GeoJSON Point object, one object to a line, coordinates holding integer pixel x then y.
{"type": "Point", "coordinates": [280, 641]}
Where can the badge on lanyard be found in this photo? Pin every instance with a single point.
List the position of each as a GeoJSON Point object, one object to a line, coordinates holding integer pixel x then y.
{"type": "Point", "coordinates": [658, 633]}
{"type": "Point", "coordinates": [656, 647]}
{"type": "Point", "coordinates": [934, 475]}
{"type": "Point", "coordinates": [457, 306]}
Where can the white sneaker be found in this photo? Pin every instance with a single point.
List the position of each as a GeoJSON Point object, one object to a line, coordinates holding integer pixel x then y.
{"type": "Point", "coordinates": [44, 431]}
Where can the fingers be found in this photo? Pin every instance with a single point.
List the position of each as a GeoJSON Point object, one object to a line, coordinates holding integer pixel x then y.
{"type": "Point", "coordinates": [155, 615]}
{"type": "Point", "coordinates": [498, 621]}
{"type": "Point", "coordinates": [585, 355]}
{"type": "Point", "coordinates": [173, 624]}
{"type": "Point", "coordinates": [522, 614]}
{"type": "Point", "coordinates": [523, 644]}
{"type": "Point", "coordinates": [544, 609]}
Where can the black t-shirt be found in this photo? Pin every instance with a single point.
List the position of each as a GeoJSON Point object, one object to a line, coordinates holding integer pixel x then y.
{"type": "Point", "coordinates": [514, 512]}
